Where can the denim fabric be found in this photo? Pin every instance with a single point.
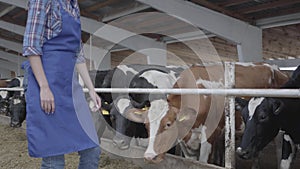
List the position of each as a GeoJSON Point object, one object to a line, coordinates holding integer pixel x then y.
{"type": "Point", "coordinates": [53, 162]}
{"type": "Point", "coordinates": [89, 159]}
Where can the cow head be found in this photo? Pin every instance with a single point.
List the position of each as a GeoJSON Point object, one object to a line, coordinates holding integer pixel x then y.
{"type": "Point", "coordinates": [4, 106]}
{"type": "Point", "coordinates": [261, 118]}
{"type": "Point", "coordinates": [166, 124]}
{"type": "Point", "coordinates": [17, 108]}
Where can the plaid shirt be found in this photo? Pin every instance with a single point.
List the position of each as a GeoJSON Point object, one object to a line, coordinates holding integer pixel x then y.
{"type": "Point", "coordinates": [44, 23]}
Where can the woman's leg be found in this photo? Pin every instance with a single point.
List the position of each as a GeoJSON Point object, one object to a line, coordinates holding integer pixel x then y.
{"type": "Point", "coordinates": [89, 158]}
{"type": "Point", "coordinates": [53, 162]}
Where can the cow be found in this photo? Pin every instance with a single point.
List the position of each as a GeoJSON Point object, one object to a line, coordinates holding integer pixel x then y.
{"type": "Point", "coordinates": [197, 121]}
{"type": "Point", "coordinates": [4, 104]}
{"type": "Point", "coordinates": [5, 95]}
{"type": "Point", "coordinates": [17, 107]}
{"type": "Point", "coordinates": [121, 77]}
{"type": "Point", "coordinates": [125, 129]}
{"type": "Point", "coordinates": [147, 78]}
{"type": "Point", "coordinates": [264, 117]}
{"type": "Point", "coordinates": [3, 83]}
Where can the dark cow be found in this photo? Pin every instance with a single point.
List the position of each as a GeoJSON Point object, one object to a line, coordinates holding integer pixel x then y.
{"type": "Point", "coordinates": [5, 96]}
{"type": "Point", "coordinates": [101, 120]}
{"type": "Point", "coordinates": [4, 104]}
{"type": "Point", "coordinates": [125, 129]}
{"type": "Point", "coordinates": [264, 117]}
{"type": "Point", "coordinates": [17, 106]}
{"type": "Point", "coordinates": [197, 121]}
{"type": "Point", "coordinates": [98, 77]}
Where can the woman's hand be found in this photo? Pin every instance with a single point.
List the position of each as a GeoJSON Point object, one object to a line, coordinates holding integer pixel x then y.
{"type": "Point", "coordinates": [96, 99]}
{"type": "Point", "coordinates": [47, 100]}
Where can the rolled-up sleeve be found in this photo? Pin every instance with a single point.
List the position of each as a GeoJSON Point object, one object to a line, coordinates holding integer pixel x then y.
{"type": "Point", "coordinates": [80, 54]}
{"type": "Point", "coordinates": [35, 27]}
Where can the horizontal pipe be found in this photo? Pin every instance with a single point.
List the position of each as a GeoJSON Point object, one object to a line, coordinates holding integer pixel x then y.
{"type": "Point", "coordinates": [291, 93]}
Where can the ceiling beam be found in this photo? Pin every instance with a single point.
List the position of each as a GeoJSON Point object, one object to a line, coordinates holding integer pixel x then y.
{"type": "Point", "coordinates": [11, 57]}
{"type": "Point", "coordinates": [11, 45]}
{"type": "Point", "coordinates": [222, 10]}
{"type": "Point", "coordinates": [279, 21]}
{"type": "Point", "coordinates": [99, 5]}
{"type": "Point", "coordinates": [12, 27]}
{"type": "Point", "coordinates": [281, 12]}
{"type": "Point", "coordinates": [247, 37]}
{"type": "Point", "coordinates": [18, 3]}
{"type": "Point", "coordinates": [128, 11]}
{"type": "Point", "coordinates": [267, 6]}
{"type": "Point", "coordinates": [9, 66]}
{"type": "Point", "coordinates": [232, 2]}
{"type": "Point", "coordinates": [6, 10]}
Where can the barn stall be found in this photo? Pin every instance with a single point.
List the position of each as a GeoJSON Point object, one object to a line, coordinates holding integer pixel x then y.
{"type": "Point", "coordinates": [148, 33]}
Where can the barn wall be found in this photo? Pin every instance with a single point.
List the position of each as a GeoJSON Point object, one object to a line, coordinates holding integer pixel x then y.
{"type": "Point", "coordinates": [279, 42]}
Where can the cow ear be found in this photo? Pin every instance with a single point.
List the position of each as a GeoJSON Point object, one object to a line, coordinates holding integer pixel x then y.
{"type": "Point", "coordinates": [137, 115]}
{"type": "Point", "coordinates": [277, 106]}
{"type": "Point", "coordinates": [240, 103]}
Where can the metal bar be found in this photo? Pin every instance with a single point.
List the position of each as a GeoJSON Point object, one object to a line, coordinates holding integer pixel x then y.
{"type": "Point", "coordinates": [292, 93]}
{"type": "Point", "coordinates": [229, 117]}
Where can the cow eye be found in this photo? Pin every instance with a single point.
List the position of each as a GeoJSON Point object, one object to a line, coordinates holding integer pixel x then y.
{"type": "Point", "coordinates": [168, 124]}
{"type": "Point", "coordinates": [262, 117]}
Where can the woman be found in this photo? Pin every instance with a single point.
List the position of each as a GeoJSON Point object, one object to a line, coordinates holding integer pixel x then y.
{"type": "Point", "coordinates": [58, 117]}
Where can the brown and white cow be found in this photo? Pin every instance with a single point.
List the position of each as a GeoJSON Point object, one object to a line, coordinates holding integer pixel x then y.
{"type": "Point", "coordinates": [198, 120]}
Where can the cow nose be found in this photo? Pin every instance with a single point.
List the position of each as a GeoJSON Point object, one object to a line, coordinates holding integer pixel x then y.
{"type": "Point", "coordinates": [150, 156]}
{"type": "Point", "coordinates": [239, 151]}
{"type": "Point", "coordinates": [15, 124]}
{"type": "Point", "coordinates": [120, 143]}
{"type": "Point", "coordinates": [242, 153]}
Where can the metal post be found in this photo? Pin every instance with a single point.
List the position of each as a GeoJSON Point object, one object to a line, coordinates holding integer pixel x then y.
{"type": "Point", "coordinates": [229, 117]}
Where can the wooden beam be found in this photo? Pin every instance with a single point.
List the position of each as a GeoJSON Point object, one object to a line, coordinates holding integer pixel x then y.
{"type": "Point", "coordinates": [266, 6]}
{"type": "Point", "coordinates": [20, 13]}
{"type": "Point", "coordinates": [279, 21]}
{"type": "Point", "coordinates": [100, 5]}
{"type": "Point", "coordinates": [6, 10]}
{"type": "Point", "coordinates": [288, 11]}
{"type": "Point", "coordinates": [232, 2]}
{"type": "Point", "coordinates": [124, 11]}
{"type": "Point", "coordinates": [217, 8]}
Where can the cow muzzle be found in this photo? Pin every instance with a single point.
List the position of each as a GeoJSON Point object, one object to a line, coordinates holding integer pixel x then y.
{"type": "Point", "coordinates": [15, 124]}
{"type": "Point", "coordinates": [244, 154]}
{"type": "Point", "coordinates": [121, 143]}
{"type": "Point", "coordinates": [153, 158]}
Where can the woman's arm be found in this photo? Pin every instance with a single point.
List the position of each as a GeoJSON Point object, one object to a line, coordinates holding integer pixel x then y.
{"type": "Point", "coordinates": [46, 96]}
{"type": "Point", "coordinates": [83, 72]}
{"type": "Point", "coordinates": [32, 48]}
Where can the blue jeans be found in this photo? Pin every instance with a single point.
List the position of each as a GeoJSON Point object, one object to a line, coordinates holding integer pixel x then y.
{"type": "Point", "coordinates": [89, 159]}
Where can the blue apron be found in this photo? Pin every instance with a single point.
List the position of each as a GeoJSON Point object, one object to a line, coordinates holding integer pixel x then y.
{"type": "Point", "coordinates": [71, 127]}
